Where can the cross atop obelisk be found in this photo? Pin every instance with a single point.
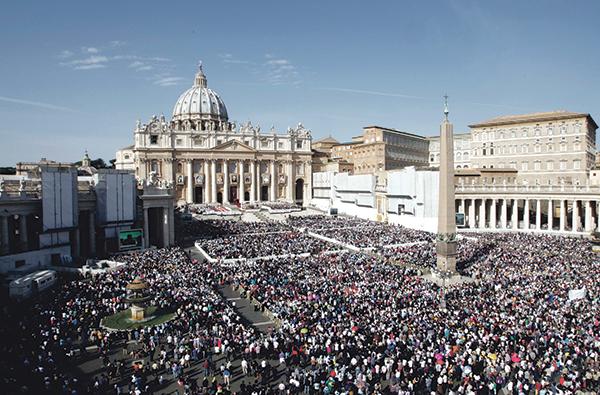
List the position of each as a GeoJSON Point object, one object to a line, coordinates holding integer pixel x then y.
{"type": "Point", "coordinates": [446, 233]}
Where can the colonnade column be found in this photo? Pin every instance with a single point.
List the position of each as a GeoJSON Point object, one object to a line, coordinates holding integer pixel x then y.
{"type": "Point", "coordinates": [550, 214]}
{"type": "Point", "coordinates": [213, 181]}
{"type": "Point", "coordinates": [252, 180]}
{"type": "Point", "coordinates": [23, 231]}
{"type": "Point", "coordinates": [562, 216]}
{"type": "Point", "coordinates": [4, 231]}
{"type": "Point", "coordinates": [589, 224]}
{"type": "Point", "coordinates": [225, 181]}
{"type": "Point", "coordinates": [503, 214]}
{"type": "Point", "coordinates": [92, 232]}
{"type": "Point", "coordinates": [273, 182]}
{"type": "Point", "coordinates": [526, 215]}
{"type": "Point", "coordinates": [575, 219]}
{"type": "Point", "coordinates": [472, 214]}
{"type": "Point", "coordinates": [207, 178]}
{"type": "Point", "coordinates": [190, 181]}
{"type": "Point", "coordinates": [482, 214]}
{"type": "Point", "coordinates": [493, 214]}
{"type": "Point", "coordinates": [515, 214]}
{"type": "Point", "coordinates": [240, 181]}
{"type": "Point", "coordinates": [538, 214]}
{"type": "Point", "coordinates": [146, 228]}
{"type": "Point", "coordinates": [461, 208]}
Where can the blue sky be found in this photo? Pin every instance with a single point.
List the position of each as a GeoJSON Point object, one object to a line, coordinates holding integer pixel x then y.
{"type": "Point", "coordinates": [76, 75]}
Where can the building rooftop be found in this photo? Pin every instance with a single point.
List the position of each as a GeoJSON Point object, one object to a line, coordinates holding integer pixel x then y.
{"type": "Point", "coordinates": [394, 131]}
{"type": "Point", "coordinates": [328, 139]}
{"type": "Point", "coordinates": [532, 117]}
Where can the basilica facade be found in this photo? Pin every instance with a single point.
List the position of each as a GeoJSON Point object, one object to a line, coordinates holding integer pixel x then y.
{"type": "Point", "coordinates": [206, 158]}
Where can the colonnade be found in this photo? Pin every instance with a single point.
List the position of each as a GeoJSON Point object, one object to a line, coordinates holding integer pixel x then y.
{"type": "Point", "coordinates": [530, 213]}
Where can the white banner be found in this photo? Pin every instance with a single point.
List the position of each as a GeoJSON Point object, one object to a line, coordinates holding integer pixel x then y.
{"type": "Point", "coordinates": [576, 294]}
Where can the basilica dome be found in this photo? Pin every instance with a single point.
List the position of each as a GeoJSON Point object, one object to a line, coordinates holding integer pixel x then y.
{"type": "Point", "coordinates": [199, 102]}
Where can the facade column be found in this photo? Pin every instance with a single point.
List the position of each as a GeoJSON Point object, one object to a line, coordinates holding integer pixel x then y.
{"type": "Point", "coordinates": [562, 216]}
{"type": "Point", "coordinates": [289, 180]}
{"type": "Point", "coordinates": [503, 214]}
{"type": "Point", "coordinates": [307, 183]}
{"type": "Point", "coordinates": [482, 214]}
{"type": "Point", "coordinates": [273, 182]}
{"type": "Point", "coordinates": [258, 181]}
{"type": "Point", "coordinates": [461, 207]}
{"type": "Point", "coordinates": [493, 221]}
{"type": "Point", "coordinates": [472, 214]}
{"type": "Point", "coordinates": [252, 181]}
{"type": "Point", "coordinates": [598, 214]}
{"type": "Point", "coordinates": [76, 242]}
{"type": "Point", "coordinates": [225, 181]}
{"type": "Point", "coordinates": [207, 192]}
{"type": "Point", "coordinates": [23, 232]}
{"type": "Point", "coordinates": [589, 225]}
{"type": "Point", "coordinates": [4, 247]}
{"type": "Point", "coordinates": [575, 220]}
{"type": "Point", "coordinates": [538, 214]}
{"type": "Point", "coordinates": [190, 181]}
{"type": "Point", "coordinates": [550, 214]}
{"type": "Point", "coordinates": [241, 181]}
{"type": "Point", "coordinates": [166, 225]}
{"type": "Point", "coordinates": [515, 214]}
{"type": "Point", "coordinates": [146, 229]}
{"type": "Point", "coordinates": [526, 215]}
{"type": "Point", "coordinates": [213, 181]}
{"type": "Point", "coordinates": [168, 175]}
{"type": "Point", "coordinates": [92, 232]}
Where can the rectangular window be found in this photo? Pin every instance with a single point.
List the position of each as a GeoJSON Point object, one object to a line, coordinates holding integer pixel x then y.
{"type": "Point", "coordinates": [549, 165]}
{"type": "Point", "coordinates": [563, 165]}
{"type": "Point", "coordinates": [524, 166]}
{"type": "Point", "coordinates": [153, 139]}
{"type": "Point", "coordinates": [537, 166]}
{"type": "Point", "coordinates": [576, 164]}
{"type": "Point", "coordinates": [299, 144]}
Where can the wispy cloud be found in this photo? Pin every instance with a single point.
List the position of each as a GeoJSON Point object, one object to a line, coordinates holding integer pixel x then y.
{"type": "Point", "coordinates": [375, 93]}
{"type": "Point", "coordinates": [32, 103]}
{"type": "Point", "coordinates": [117, 43]}
{"type": "Point", "coordinates": [99, 57]}
{"type": "Point", "coordinates": [90, 62]}
{"type": "Point", "coordinates": [230, 59]}
{"type": "Point", "coordinates": [65, 54]}
{"type": "Point", "coordinates": [140, 66]}
{"type": "Point", "coordinates": [168, 81]}
{"type": "Point", "coordinates": [271, 69]}
{"type": "Point", "coordinates": [405, 96]}
{"type": "Point", "coordinates": [279, 71]}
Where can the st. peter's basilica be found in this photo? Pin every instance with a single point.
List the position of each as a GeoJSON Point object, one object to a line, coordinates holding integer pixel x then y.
{"type": "Point", "coordinates": [212, 160]}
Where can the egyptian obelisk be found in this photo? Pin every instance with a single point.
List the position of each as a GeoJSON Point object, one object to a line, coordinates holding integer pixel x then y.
{"type": "Point", "coordinates": [446, 232]}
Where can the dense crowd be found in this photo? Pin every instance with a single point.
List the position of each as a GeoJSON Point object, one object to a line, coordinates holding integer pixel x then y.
{"type": "Point", "coordinates": [375, 235]}
{"type": "Point", "coordinates": [315, 222]}
{"type": "Point", "coordinates": [38, 350]}
{"type": "Point", "coordinates": [347, 322]}
{"type": "Point", "coordinates": [263, 245]}
{"type": "Point", "coordinates": [469, 251]}
{"type": "Point", "coordinates": [363, 321]}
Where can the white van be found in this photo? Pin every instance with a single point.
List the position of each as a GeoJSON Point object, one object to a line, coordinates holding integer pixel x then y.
{"type": "Point", "coordinates": [32, 283]}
